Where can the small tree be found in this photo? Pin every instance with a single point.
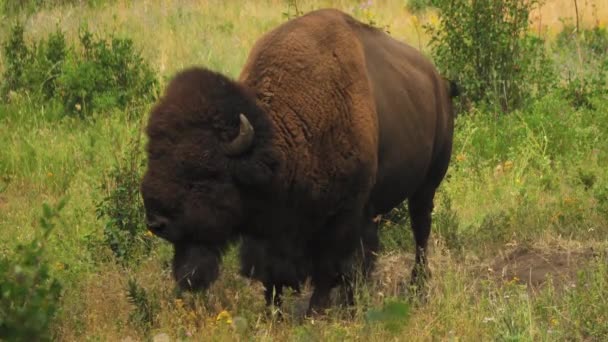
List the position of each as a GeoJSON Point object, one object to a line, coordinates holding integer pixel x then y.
{"type": "Point", "coordinates": [486, 47]}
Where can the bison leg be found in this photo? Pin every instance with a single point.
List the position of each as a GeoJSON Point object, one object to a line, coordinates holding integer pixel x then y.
{"type": "Point", "coordinates": [352, 234]}
{"type": "Point", "coordinates": [420, 208]}
{"type": "Point", "coordinates": [360, 272]}
{"type": "Point", "coordinates": [370, 246]}
{"type": "Point", "coordinates": [320, 299]}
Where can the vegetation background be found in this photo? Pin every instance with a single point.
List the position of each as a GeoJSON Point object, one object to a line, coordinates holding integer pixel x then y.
{"type": "Point", "coordinates": [519, 241]}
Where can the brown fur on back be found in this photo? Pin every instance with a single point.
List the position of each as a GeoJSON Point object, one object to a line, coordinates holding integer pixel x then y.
{"type": "Point", "coordinates": [310, 78]}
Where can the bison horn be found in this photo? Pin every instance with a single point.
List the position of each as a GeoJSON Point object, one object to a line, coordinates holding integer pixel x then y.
{"type": "Point", "coordinates": [243, 141]}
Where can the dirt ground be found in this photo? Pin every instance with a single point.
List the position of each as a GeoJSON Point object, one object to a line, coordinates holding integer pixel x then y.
{"type": "Point", "coordinates": [533, 266]}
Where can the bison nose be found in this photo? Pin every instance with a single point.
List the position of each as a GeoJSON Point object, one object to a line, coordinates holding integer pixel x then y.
{"type": "Point", "coordinates": [157, 225]}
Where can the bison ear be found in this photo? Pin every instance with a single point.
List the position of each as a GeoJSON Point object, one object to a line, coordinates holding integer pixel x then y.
{"type": "Point", "coordinates": [257, 170]}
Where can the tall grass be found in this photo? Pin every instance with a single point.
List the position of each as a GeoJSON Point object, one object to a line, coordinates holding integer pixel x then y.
{"type": "Point", "coordinates": [533, 180]}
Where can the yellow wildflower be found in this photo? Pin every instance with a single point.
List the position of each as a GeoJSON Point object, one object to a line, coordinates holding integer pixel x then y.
{"type": "Point", "coordinates": [460, 157]}
{"type": "Point", "coordinates": [434, 19]}
{"type": "Point", "coordinates": [415, 20]}
{"type": "Point", "coordinates": [224, 316]}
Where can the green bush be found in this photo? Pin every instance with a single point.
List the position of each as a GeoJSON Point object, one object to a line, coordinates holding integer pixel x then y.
{"type": "Point", "coordinates": [583, 56]}
{"type": "Point", "coordinates": [34, 68]}
{"type": "Point", "coordinates": [485, 46]}
{"type": "Point", "coordinates": [98, 75]}
{"type": "Point", "coordinates": [29, 294]}
{"type": "Point", "coordinates": [106, 74]}
{"type": "Point", "coordinates": [124, 230]}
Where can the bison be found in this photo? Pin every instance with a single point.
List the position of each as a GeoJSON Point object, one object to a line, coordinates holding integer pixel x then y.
{"type": "Point", "coordinates": [331, 123]}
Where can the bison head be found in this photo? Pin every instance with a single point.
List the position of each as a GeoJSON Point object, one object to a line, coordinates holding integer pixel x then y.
{"type": "Point", "coordinates": [205, 145]}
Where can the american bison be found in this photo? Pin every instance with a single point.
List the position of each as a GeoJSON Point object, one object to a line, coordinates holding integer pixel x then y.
{"type": "Point", "coordinates": [331, 123]}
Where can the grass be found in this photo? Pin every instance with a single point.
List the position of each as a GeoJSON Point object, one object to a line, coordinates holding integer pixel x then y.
{"type": "Point", "coordinates": [527, 190]}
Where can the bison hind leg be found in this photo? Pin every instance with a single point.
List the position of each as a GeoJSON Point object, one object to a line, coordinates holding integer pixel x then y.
{"type": "Point", "coordinates": [420, 207]}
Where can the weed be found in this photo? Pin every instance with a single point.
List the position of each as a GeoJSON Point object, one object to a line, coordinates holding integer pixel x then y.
{"type": "Point", "coordinates": [292, 11]}
{"type": "Point", "coordinates": [29, 294]}
{"type": "Point", "coordinates": [122, 209]}
{"type": "Point", "coordinates": [145, 306]}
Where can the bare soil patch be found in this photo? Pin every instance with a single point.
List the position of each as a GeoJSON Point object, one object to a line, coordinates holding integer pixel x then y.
{"type": "Point", "coordinates": [534, 266]}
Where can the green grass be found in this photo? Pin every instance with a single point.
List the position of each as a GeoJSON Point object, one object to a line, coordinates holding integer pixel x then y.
{"type": "Point", "coordinates": [534, 182]}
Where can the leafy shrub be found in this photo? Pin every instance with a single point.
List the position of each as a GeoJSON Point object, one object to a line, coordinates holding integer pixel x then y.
{"type": "Point", "coordinates": [485, 46]}
{"type": "Point", "coordinates": [33, 68]}
{"type": "Point", "coordinates": [587, 51]}
{"type": "Point", "coordinates": [122, 209]}
{"type": "Point", "coordinates": [107, 74]}
{"type": "Point", "coordinates": [594, 40]}
{"type": "Point", "coordinates": [100, 75]}
{"type": "Point", "coordinates": [29, 294]}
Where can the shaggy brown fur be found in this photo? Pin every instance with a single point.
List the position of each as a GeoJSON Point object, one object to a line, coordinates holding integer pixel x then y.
{"type": "Point", "coordinates": [348, 123]}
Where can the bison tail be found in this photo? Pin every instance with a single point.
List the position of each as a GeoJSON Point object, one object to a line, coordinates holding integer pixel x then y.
{"type": "Point", "coordinates": [454, 88]}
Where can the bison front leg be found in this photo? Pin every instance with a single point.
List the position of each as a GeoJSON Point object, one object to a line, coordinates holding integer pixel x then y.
{"type": "Point", "coordinates": [320, 300]}
{"type": "Point", "coordinates": [420, 208]}
{"type": "Point", "coordinates": [333, 258]}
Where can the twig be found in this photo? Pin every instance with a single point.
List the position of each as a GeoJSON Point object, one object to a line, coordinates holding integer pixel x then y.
{"type": "Point", "coordinates": [576, 10]}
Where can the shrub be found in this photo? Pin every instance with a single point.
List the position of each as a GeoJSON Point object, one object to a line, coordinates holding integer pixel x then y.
{"type": "Point", "coordinates": [29, 294]}
{"type": "Point", "coordinates": [485, 46]}
{"type": "Point", "coordinates": [124, 231]}
{"type": "Point", "coordinates": [583, 64]}
{"type": "Point", "coordinates": [106, 74]}
{"type": "Point", "coordinates": [34, 68]}
{"type": "Point", "coordinates": [99, 75]}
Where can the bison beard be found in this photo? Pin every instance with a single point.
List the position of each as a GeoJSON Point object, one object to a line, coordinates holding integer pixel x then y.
{"type": "Point", "coordinates": [330, 124]}
{"type": "Point", "coordinates": [195, 267]}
